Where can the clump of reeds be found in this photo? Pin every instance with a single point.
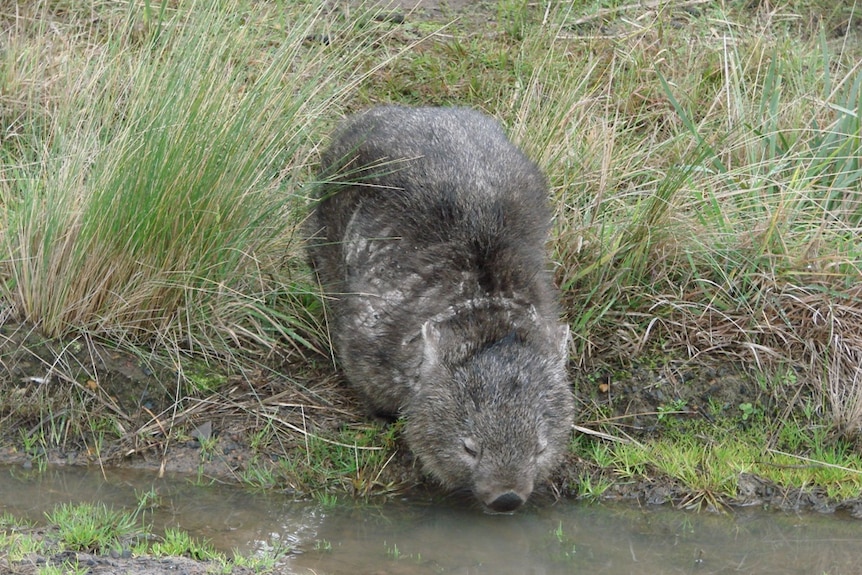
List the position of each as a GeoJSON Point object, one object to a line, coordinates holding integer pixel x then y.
{"type": "Point", "coordinates": [154, 169]}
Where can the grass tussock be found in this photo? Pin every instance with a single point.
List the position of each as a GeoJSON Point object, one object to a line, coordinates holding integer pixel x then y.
{"type": "Point", "coordinates": [154, 170]}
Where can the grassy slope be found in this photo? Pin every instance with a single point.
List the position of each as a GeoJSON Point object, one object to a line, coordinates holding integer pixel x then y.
{"type": "Point", "coordinates": [704, 161]}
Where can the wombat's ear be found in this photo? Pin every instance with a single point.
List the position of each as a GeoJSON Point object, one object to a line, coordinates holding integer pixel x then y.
{"type": "Point", "coordinates": [430, 349]}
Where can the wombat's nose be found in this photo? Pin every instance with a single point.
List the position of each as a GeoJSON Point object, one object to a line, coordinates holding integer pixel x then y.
{"type": "Point", "coordinates": [509, 501]}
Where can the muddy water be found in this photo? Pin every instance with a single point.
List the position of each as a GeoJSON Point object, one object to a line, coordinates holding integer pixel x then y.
{"type": "Point", "coordinates": [418, 537]}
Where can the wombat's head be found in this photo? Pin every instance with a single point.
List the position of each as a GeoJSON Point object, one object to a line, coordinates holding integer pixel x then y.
{"type": "Point", "coordinates": [496, 421]}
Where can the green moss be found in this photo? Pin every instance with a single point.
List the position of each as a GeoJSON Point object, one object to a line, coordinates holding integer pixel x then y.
{"type": "Point", "coordinates": [706, 459]}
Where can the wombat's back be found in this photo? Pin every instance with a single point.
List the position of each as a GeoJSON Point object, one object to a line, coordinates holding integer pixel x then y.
{"type": "Point", "coordinates": [437, 176]}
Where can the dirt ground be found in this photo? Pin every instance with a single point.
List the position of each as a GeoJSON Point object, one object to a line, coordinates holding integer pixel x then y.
{"type": "Point", "coordinates": [107, 565]}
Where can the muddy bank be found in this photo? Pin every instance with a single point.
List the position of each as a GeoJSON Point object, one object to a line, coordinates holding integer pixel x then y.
{"type": "Point", "coordinates": [109, 565]}
{"type": "Point", "coordinates": [159, 424]}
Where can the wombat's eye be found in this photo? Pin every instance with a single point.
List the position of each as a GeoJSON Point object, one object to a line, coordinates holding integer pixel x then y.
{"type": "Point", "coordinates": [471, 448]}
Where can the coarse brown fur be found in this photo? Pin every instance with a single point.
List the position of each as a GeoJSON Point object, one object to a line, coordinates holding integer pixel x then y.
{"type": "Point", "coordinates": [428, 234]}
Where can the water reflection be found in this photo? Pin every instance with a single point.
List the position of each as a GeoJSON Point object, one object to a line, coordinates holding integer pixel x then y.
{"type": "Point", "coordinates": [594, 539]}
{"type": "Point", "coordinates": [410, 537]}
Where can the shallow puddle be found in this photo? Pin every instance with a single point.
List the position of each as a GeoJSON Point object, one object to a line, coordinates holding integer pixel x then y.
{"type": "Point", "coordinates": [417, 537]}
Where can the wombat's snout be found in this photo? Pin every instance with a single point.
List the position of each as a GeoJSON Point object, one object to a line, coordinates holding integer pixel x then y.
{"type": "Point", "coordinates": [506, 503]}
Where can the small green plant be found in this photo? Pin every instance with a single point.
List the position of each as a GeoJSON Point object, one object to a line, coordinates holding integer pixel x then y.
{"type": "Point", "coordinates": [674, 407]}
{"type": "Point", "coordinates": [179, 542]}
{"type": "Point", "coordinates": [395, 554]}
{"type": "Point", "coordinates": [323, 546]}
{"type": "Point", "coordinates": [259, 563]}
{"type": "Point", "coordinates": [353, 460]}
{"type": "Point", "coordinates": [74, 568]}
{"type": "Point", "coordinates": [202, 377]}
{"type": "Point", "coordinates": [630, 460]}
{"type": "Point", "coordinates": [201, 478]}
{"type": "Point", "coordinates": [259, 474]}
{"type": "Point", "coordinates": [92, 527]}
{"type": "Point", "coordinates": [261, 438]}
{"type": "Point", "coordinates": [601, 453]}
{"type": "Point", "coordinates": [748, 411]}
{"type": "Point", "coordinates": [588, 488]}
{"type": "Point", "coordinates": [209, 448]}
{"type": "Point", "coordinates": [148, 500]}
{"type": "Point", "coordinates": [17, 546]}
{"type": "Point", "coordinates": [140, 547]}
{"type": "Point", "coordinates": [9, 521]}
{"type": "Point", "coordinates": [34, 446]}
{"type": "Point", "coordinates": [327, 500]}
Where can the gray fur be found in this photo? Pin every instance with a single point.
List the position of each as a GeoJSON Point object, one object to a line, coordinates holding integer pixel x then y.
{"type": "Point", "coordinates": [429, 235]}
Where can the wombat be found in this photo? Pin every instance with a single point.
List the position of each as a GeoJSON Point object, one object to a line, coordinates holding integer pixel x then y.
{"type": "Point", "coordinates": [428, 233]}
